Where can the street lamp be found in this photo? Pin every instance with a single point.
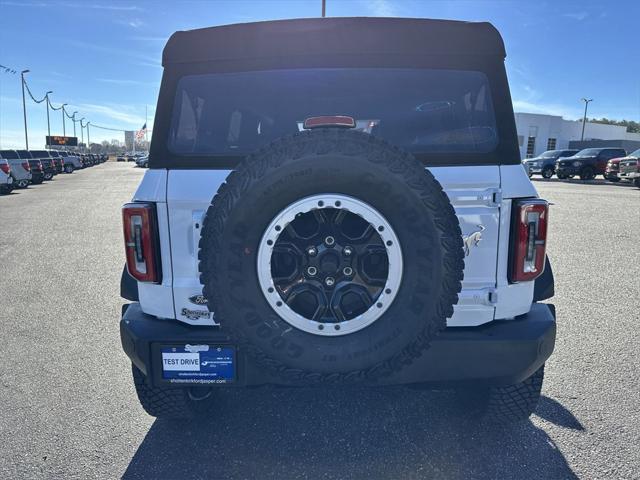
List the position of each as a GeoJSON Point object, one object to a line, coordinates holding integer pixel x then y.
{"type": "Point", "coordinates": [24, 110]}
{"type": "Point", "coordinates": [584, 119]}
{"type": "Point", "coordinates": [48, 123]}
{"type": "Point", "coordinates": [73, 119]}
{"type": "Point", "coordinates": [88, 138]}
{"type": "Point", "coordinates": [64, 131]}
{"type": "Point", "coordinates": [81, 132]}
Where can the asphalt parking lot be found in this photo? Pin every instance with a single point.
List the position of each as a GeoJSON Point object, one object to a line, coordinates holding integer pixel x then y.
{"type": "Point", "coordinates": [68, 407]}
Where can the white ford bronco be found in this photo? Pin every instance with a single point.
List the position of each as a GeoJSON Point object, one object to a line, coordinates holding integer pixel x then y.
{"type": "Point", "coordinates": [336, 201]}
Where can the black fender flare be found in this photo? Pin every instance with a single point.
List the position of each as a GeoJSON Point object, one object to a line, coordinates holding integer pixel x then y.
{"type": "Point", "coordinates": [128, 286]}
{"type": "Point", "coordinates": [544, 285]}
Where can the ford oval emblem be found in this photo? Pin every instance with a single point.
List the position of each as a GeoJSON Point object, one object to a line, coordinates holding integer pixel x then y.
{"type": "Point", "coordinates": [198, 300]}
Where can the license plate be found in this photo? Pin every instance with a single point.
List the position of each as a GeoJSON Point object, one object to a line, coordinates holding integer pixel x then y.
{"type": "Point", "coordinates": [198, 364]}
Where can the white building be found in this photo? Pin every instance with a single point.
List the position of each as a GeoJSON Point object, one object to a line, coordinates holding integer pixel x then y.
{"type": "Point", "coordinates": [538, 133]}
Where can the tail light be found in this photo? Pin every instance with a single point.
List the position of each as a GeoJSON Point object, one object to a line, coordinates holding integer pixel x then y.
{"type": "Point", "coordinates": [528, 239]}
{"type": "Point", "coordinates": [5, 168]}
{"type": "Point", "coordinates": [26, 166]}
{"type": "Point", "coordinates": [40, 166]}
{"type": "Point", "coordinates": [141, 241]}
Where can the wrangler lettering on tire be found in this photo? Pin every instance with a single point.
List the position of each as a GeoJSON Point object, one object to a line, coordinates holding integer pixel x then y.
{"type": "Point", "coordinates": [332, 256]}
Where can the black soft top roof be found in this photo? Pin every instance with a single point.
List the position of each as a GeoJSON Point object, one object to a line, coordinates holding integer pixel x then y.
{"type": "Point", "coordinates": [333, 36]}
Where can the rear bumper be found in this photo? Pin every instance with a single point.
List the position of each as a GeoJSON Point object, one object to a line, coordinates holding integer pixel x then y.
{"type": "Point", "coordinates": [499, 353]}
{"type": "Point", "coordinates": [567, 170]}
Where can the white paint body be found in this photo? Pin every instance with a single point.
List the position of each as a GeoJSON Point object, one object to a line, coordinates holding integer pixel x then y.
{"type": "Point", "coordinates": [481, 195]}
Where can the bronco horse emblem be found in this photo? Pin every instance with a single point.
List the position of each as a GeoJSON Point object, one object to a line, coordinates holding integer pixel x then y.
{"type": "Point", "coordinates": [472, 240]}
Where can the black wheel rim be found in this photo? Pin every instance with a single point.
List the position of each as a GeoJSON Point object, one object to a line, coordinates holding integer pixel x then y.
{"type": "Point", "coordinates": [329, 265]}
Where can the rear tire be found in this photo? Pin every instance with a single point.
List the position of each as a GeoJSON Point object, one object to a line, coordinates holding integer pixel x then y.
{"type": "Point", "coordinates": [587, 173]}
{"type": "Point", "coordinates": [22, 183]}
{"type": "Point", "coordinates": [636, 182]}
{"type": "Point", "coordinates": [171, 403]}
{"type": "Point", "coordinates": [561, 176]}
{"type": "Point", "coordinates": [506, 405]}
{"type": "Point", "coordinates": [68, 169]}
{"type": "Point", "coordinates": [547, 173]}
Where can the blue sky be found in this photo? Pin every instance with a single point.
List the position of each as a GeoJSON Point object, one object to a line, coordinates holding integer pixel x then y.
{"type": "Point", "coordinates": [103, 57]}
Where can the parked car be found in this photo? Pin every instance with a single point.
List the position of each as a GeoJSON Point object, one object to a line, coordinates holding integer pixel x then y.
{"type": "Point", "coordinates": [6, 180]}
{"type": "Point", "coordinates": [59, 159]}
{"type": "Point", "coordinates": [587, 163]}
{"type": "Point", "coordinates": [630, 168]}
{"type": "Point", "coordinates": [20, 169]}
{"type": "Point", "coordinates": [121, 158]}
{"type": "Point", "coordinates": [612, 170]}
{"type": "Point", "coordinates": [87, 160]}
{"type": "Point", "coordinates": [143, 161]}
{"type": "Point", "coordinates": [296, 284]}
{"type": "Point", "coordinates": [71, 161]}
{"type": "Point", "coordinates": [49, 163]}
{"type": "Point", "coordinates": [42, 165]}
{"type": "Point", "coordinates": [545, 163]}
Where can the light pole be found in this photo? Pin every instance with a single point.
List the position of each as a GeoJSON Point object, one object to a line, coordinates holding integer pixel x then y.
{"type": "Point", "coordinates": [88, 138]}
{"type": "Point", "coordinates": [82, 132]}
{"type": "Point", "coordinates": [584, 119]}
{"type": "Point", "coordinates": [73, 119]}
{"type": "Point", "coordinates": [324, 8]}
{"type": "Point", "coordinates": [24, 110]}
{"type": "Point", "coordinates": [48, 123]}
{"type": "Point", "coordinates": [64, 131]}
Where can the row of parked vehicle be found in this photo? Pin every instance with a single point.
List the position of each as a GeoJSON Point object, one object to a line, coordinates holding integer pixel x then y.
{"type": "Point", "coordinates": [20, 168]}
{"type": "Point", "coordinates": [614, 164]}
{"type": "Point", "coordinates": [141, 158]}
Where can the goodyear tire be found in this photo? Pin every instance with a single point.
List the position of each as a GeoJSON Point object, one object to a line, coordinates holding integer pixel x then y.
{"type": "Point", "coordinates": [386, 300]}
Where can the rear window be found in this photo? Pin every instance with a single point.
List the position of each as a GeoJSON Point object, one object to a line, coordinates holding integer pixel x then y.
{"type": "Point", "coordinates": [421, 110]}
{"type": "Point", "coordinates": [24, 154]}
{"type": "Point", "coordinates": [588, 152]}
{"type": "Point", "coordinates": [40, 153]}
{"type": "Point", "coordinates": [8, 154]}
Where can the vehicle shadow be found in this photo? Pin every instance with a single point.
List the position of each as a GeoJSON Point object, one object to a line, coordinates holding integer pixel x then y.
{"type": "Point", "coordinates": [388, 432]}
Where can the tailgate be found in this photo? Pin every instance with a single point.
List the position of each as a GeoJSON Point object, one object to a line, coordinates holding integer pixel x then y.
{"type": "Point", "coordinates": [473, 191]}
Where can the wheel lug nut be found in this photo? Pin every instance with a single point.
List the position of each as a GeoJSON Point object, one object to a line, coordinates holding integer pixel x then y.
{"type": "Point", "coordinates": [312, 271]}
{"type": "Point", "coordinates": [347, 251]}
{"type": "Point", "coordinates": [311, 251]}
{"type": "Point", "coordinates": [348, 271]}
{"type": "Point", "coordinates": [329, 241]}
{"type": "Point", "coordinates": [329, 281]}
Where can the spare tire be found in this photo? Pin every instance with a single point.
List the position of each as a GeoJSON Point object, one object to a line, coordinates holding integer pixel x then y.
{"type": "Point", "coordinates": [331, 256]}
